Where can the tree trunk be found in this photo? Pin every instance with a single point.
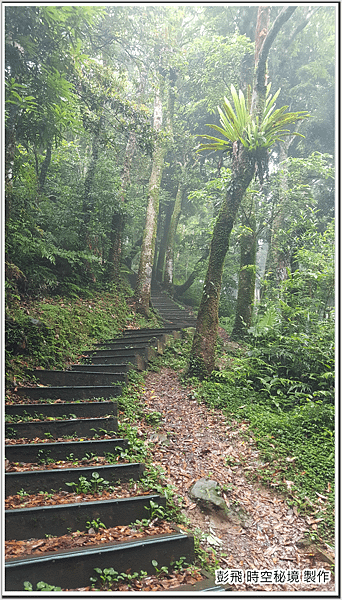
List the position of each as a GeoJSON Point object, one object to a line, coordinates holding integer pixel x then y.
{"type": "Point", "coordinates": [202, 360]}
{"type": "Point", "coordinates": [170, 244]}
{"type": "Point", "coordinates": [143, 287]}
{"type": "Point", "coordinates": [88, 202]}
{"type": "Point", "coordinates": [246, 286]}
{"type": "Point", "coordinates": [118, 223]}
{"type": "Point", "coordinates": [10, 147]}
{"type": "Point", "coordinates": [276, 261]}
{"type": "Point", "coordinates": [204, 344]}
{"type": "Point", "coordinates": [115, 250]}
{"type": "Point", "coordinates": [163, 242]}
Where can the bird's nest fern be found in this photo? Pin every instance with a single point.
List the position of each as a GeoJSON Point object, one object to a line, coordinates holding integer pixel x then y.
{"type": "Point", "coordinates": [254, 132]}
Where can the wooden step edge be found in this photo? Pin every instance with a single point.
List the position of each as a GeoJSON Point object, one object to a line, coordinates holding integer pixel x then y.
{"type": "Point", "coordinates": [58, 410]}
{"type": "Point", "coordinates": [72, 569]}
{"type": "Point", "coordinates": [69, 393]}
{"type": "Point", "coordinates": [57, 479]}
{"type": "Point", "coordinates": [60, 427]}
{"type": "Point", "coordinates": [60, 450]}
{"type": "Point", "coordinates": [56, 520]}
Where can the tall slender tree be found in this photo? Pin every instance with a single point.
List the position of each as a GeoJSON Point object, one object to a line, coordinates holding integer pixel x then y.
{"type": "Point", "coordinates": [143, 286]}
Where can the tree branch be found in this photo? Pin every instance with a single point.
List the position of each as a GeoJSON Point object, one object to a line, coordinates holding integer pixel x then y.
{"type": "Point", "coordinates": [283, 16]}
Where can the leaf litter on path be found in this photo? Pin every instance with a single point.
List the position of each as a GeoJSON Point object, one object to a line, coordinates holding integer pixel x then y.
{"type": "Point", "coordinates": [192, 441]}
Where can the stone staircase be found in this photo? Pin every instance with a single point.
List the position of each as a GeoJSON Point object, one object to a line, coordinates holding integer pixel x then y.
{"type": "Point", "coordinates": [86, 408]}
{"type": "Point", "coordinates": [171, 313]}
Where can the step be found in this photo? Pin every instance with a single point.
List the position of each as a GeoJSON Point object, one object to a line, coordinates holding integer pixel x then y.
{"type": "Point", "coordinates": [26, 523]}
{"type": "Point", "coordinates": [176, 317]}
{"type": "Point", "coordinates": [156, 302]}
{"type": "Point", "coordinates": [85, 409]}
{"type": "Point", "coordinates": [128, 343]}
{"type": "Point", "coordinates": [140, 337]}
{"type": "Point", "coordinates": [157, 343]}
{"type": "Point", "coordinates": [72, 569]}
{"type": "Point", "coordinates": [168, 305]}
{"type": "Point", "coordinates": [115, 368]}
{"type": "Point", "coordinates": [68, 393]}
{"type": "Point", "coordinates": [133, 332]}
{"type": "Point", "coordinates": [56, 479]}
{"type": "Point", "coordinates": [169, 312]}
{"type": "Point", "coordinates": [185, 324]}
{"type": "Point", "coordinates": [135, 342]}
{"type": "Point", "coordinates": [82, 427]}
{"type": "Point", "coordinates": [74, 378]}
{"type": "Point", "coordinates": [180, 319]}
{"type": "Point", "coordinates": [146, 352]}
{"type": "Point", "coordinates": [171, 308]}
{"type": "Point", "coordinates": [32, 453]}
{"type": "Point", "coordinates": [134, 360]}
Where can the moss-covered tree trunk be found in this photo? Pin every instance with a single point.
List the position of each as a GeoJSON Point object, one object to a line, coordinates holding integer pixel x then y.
{"type": "Point", "coordinates": [247, 273]}
{"type": "Point", "coordinates": [170, 244]}
{"type": "Point", "coordinates": [204, 343]}
{"type": "Point", "coordinates": [247, 238]}
{"type": "Point", "coordinates": [143, 287]}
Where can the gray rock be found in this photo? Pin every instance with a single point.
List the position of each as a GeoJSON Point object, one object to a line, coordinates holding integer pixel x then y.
{"type": "Point", "coordinates": [207, 493]}
{"type": "Point", "coordinates": [160, 438]}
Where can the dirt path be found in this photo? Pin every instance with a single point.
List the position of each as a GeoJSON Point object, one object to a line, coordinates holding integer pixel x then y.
{"type": "Point", "coordinates": [197, 445]}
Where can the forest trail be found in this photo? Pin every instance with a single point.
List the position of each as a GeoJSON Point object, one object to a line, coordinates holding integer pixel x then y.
{"type": "Point", "coordinates": [192, 442]}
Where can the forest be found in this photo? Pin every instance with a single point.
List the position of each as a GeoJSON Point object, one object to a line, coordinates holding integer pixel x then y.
{"type": "Point", "coordinates": [189, 151]}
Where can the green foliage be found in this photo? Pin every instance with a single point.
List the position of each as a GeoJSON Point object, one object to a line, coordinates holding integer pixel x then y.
{"type": "Point", "coordinates": [96, 484]}
{"type": "Point", "coordinates": [41, 587]}
{"type": "Point", "coordinates": [160, 571]}
{"type": "Point", "coordinates": [153, 418]}
{"type": "Point", "coordinates": [156, 511]}
{"type": "Point", "coordinates": [95, 524]}
{"type": "Point", "coordinates": [240, 125]}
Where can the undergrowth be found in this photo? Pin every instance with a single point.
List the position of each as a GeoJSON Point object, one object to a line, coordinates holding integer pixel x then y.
{"type": "Point", "coordinates": [53, 331]}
